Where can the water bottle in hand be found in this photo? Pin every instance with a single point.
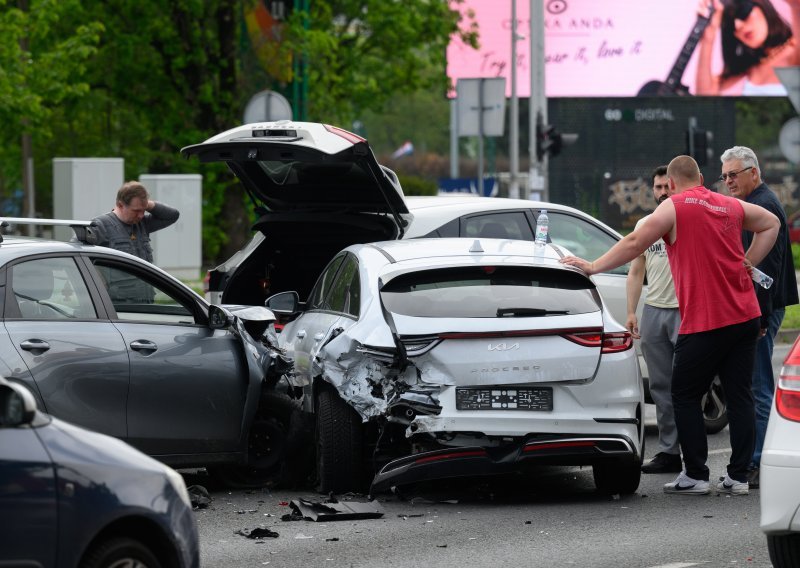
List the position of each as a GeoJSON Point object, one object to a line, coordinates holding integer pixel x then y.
{"type": "Point", "coordinates": [542, 225]}
{"type": "Point", "coordinates": [760, 278]}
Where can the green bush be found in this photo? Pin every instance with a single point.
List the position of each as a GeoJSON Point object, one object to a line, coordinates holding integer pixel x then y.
{"type": "Point", "coordinates": [796, 255]}
{"type": "Point", "coordinates": [413, 185]}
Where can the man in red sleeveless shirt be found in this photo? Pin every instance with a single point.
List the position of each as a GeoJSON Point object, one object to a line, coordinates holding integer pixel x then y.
{"type": "Point", "coordinates": [719, 312]}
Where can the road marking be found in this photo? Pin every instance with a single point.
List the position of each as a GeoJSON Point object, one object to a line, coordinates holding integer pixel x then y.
{"type": "Point", "coordinates": [680, 564]}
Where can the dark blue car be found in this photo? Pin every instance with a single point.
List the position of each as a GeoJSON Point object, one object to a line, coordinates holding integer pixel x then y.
{"type": "Point", "coordinates": [71, 497]}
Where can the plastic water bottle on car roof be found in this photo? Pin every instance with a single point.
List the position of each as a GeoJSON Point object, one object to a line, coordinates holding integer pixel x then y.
{"type": "Point", "coordinates": [542, 226]}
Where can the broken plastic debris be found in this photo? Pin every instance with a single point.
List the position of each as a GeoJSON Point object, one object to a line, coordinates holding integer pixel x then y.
{"type": "Point", "coordinates": [332, 539]}
{"type": "Point", "coordinates": [337, 511]}
{"type": "Point", "coordinates": [302, 536]}
{"type": "Point", "coordinates": [407, 516]}
{"type": "Point", "coordinates": [258, 532]}
{"type": "Point", "coordinates": [199, 496]}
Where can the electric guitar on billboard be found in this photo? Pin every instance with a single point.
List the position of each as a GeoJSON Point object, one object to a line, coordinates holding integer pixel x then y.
{"type": "Point", "coordinates": [673, 86]}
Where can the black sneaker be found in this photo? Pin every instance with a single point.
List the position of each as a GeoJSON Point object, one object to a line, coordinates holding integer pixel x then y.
{"type": "Point", "coordinates": [752, 478]}
{"type": "Point", "coordinates": [663, 463]}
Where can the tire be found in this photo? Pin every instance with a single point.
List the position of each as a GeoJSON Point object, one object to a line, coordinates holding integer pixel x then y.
{"type": "Point", "coordinates": [784, 550]}
{"type": "Point", "coordinates": [121, 552]}
{"type": "Point", "coordinates": [339, 434]}
{"type": "Point", "coordinates": [715, 410]}
{"type": "Point", "coordinates": [267, 445]}
{"type": "Point", "coordinates": [617, 478]}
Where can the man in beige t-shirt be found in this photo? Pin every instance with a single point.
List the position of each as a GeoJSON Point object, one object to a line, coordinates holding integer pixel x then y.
{"type": "Point", "coordinates": [659, 333]}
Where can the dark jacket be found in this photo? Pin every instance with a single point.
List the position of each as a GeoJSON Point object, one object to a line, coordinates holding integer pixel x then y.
{"type": "Point", "coordinates": [778, 263]}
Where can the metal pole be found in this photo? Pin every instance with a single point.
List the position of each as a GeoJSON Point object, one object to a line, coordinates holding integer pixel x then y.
{"type": "Point", "coordinates": [454, 137]}
{"type": "Point", "coordinates": [513, 187]}
{"type": "Point", "coordinates": [537, 179]}
{"type": "Point", "coordinates": [480, 136]}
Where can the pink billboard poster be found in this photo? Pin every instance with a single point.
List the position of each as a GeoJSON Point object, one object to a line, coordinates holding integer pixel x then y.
{"type": "Point", "coordinates": [621, 48]}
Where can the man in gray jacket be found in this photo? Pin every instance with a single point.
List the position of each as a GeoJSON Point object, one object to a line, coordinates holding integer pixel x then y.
{"type": "Point", "coordinates": [127, 227]}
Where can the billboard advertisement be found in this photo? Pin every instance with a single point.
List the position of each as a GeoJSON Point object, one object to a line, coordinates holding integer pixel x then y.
{"type": "Point", "coordinates": [628, 48]}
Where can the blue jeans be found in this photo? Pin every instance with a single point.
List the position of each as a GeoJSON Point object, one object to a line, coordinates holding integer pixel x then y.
{"type": "Point", "coordinates": [764, 380]}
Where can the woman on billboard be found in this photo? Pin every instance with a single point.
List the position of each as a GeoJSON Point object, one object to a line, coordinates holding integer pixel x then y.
{"type": "Point", "coordinates": [755, 40]}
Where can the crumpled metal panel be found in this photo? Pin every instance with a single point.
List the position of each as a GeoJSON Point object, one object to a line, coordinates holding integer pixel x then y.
{"type": "Point", "coordinates": [373, 386]}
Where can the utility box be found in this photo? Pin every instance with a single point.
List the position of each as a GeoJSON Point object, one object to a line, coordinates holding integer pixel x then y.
{"type": "Point", "coordinates": [83, 188]}
{"type": "Point", "coordinates": [178, 248]}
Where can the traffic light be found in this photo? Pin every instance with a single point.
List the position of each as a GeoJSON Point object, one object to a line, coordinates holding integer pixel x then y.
{"type": "Point", "coordinates": [550, 141]}
{"type": "Point", "coordinates": [698, 145]}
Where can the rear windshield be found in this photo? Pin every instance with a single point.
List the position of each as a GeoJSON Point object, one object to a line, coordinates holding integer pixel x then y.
{"type": "Point", "coordinates": [490, 292]}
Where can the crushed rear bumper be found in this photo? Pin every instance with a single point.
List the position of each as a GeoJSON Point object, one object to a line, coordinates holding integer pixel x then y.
{"type": "Point", "coordinates": [474, 461]}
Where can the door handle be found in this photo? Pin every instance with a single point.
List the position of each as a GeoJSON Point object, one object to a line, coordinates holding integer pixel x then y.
{"type": "Point", "coordinates": [143, 345]}
{"type": "Point", "coordinates": [35, 345]}
{"type": "Point", "coordinates": [319, 336]}
{"type": "Point", "coordinates": [301, 334]}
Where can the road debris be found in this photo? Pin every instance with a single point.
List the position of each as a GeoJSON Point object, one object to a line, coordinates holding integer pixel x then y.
{"type": "Point", "coordinates": [258, 533]}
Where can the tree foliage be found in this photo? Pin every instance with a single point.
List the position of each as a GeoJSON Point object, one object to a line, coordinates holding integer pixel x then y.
{"type": "Point", "coordinates": [360, 53]}
{"type": "Point", "coordinates": [143, 79]}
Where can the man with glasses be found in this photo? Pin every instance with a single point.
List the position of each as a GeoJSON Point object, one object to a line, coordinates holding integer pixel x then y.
{"type": "Point", "coordinates": [742, 176]}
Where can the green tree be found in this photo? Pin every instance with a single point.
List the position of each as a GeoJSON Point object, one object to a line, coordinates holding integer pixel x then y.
{"type": "Point", "coordinates": [361, 53]}
{"type": "Point", "coordinates": [43, 64]}
{"type": "Point", "coordinates": [164, 74]}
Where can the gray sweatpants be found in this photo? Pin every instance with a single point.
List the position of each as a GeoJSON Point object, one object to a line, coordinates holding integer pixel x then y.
{"type": "Point", "coordinates": [659, 331]}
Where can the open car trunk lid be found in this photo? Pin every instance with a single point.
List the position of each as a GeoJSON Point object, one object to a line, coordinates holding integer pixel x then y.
{"type": "Point", "coordinates": [294, 166]}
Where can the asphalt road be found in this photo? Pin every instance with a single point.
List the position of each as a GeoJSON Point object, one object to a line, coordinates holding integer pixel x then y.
{"type": "Point", "coordinates": [552, 518]}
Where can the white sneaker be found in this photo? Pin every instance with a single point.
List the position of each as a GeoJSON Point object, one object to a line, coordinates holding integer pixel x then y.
{"type": "Point", "coordinates": [733, 487]}
{"type": "Point", "coordinates": [685, 484]}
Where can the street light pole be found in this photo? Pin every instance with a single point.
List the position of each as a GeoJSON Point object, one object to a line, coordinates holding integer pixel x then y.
{"type": "Point", "coordinates": [513, 188]}
{"type": "Point", "coordinates": [537, 177]}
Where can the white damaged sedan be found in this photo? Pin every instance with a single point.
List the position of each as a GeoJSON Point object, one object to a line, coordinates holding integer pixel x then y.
{"type": "Point", "coordinates": [439, 358]}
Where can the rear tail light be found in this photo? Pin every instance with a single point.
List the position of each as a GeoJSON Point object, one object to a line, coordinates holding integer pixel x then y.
{"type": "Point", "coordinates": [608, 342]}
{"type": "Point", "coordinates": [787, 395]}
{"type": "Point", "coordinates": [452, 455]}
{"type": "Point", "coordinates": [349, 136]}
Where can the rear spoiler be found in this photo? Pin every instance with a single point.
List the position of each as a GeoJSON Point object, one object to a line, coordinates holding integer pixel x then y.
{"type": "Point", "coordinates": [84, 230]}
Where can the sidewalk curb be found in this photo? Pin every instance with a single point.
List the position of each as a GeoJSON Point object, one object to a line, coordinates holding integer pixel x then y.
{"type": "Point", "coordinates": [786, 335]}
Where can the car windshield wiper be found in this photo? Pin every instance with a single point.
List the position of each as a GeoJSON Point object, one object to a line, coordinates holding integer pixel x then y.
{"type": "Point", "coordinates": [528, 312]}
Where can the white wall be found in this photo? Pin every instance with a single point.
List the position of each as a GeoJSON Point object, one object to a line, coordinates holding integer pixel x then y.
{"type": "Point", "coordinates": [178, 248]}
{"type": "Point", "coordinates": [83, 188]}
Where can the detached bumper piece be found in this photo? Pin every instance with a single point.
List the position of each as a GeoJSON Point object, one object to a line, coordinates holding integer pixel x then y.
{"type": "Point", "coordinates": [475, 461]}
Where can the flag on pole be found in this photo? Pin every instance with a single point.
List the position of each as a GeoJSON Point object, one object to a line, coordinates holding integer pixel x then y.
{"type": "Point", "coordinates": [405, 150]}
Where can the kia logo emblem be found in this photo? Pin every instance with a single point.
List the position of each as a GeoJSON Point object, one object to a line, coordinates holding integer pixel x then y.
{"type": "Point", "coordinates": [503, 346]}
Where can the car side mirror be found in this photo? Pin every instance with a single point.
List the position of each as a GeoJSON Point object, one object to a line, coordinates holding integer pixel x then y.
{"type": "Point", "coordinates": [17, 405]}
{"type": "Point", "coordinates": [284, 303]}
{"type": "Point", "coordinates": [219, 318]}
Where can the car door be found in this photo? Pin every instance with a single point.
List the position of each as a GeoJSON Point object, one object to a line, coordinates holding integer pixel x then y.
{"type": "Point", "coordinates": [28, 500]}
{"type": "Point", "coordinates": [334, 302]}
{"type": "Point", "coordinates": [188, 382]}
{"type": "Point", "coordinates": [76, 358]}
{"type": "Point", "coordinates": [307, 330]}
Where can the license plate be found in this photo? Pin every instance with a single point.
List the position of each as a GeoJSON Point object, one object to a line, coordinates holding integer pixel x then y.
{"type": "Point", "coordinates": [538, 398]}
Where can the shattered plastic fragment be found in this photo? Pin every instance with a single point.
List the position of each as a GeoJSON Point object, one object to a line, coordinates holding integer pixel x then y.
{"type": "Point", "coordinates": [199, 496]}
{"type": "Point", "coordinates": [302, 536]}
{"type": "Point", "coordinates": [257, 533]}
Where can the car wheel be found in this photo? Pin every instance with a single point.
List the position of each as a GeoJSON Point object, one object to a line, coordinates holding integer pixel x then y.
{"type": "Point", "coordinates": [120, 553]}
{"type": "Point", "coordinates": [715, 412]}
{"type": "Point", "coordinates": [784, 550]}
{"type": "Point", "coordinates": [267, 443]}
{"type": "Point", "coordinates": [339, 444]}
{"type": "Point", "coordinates": [617, 478]}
